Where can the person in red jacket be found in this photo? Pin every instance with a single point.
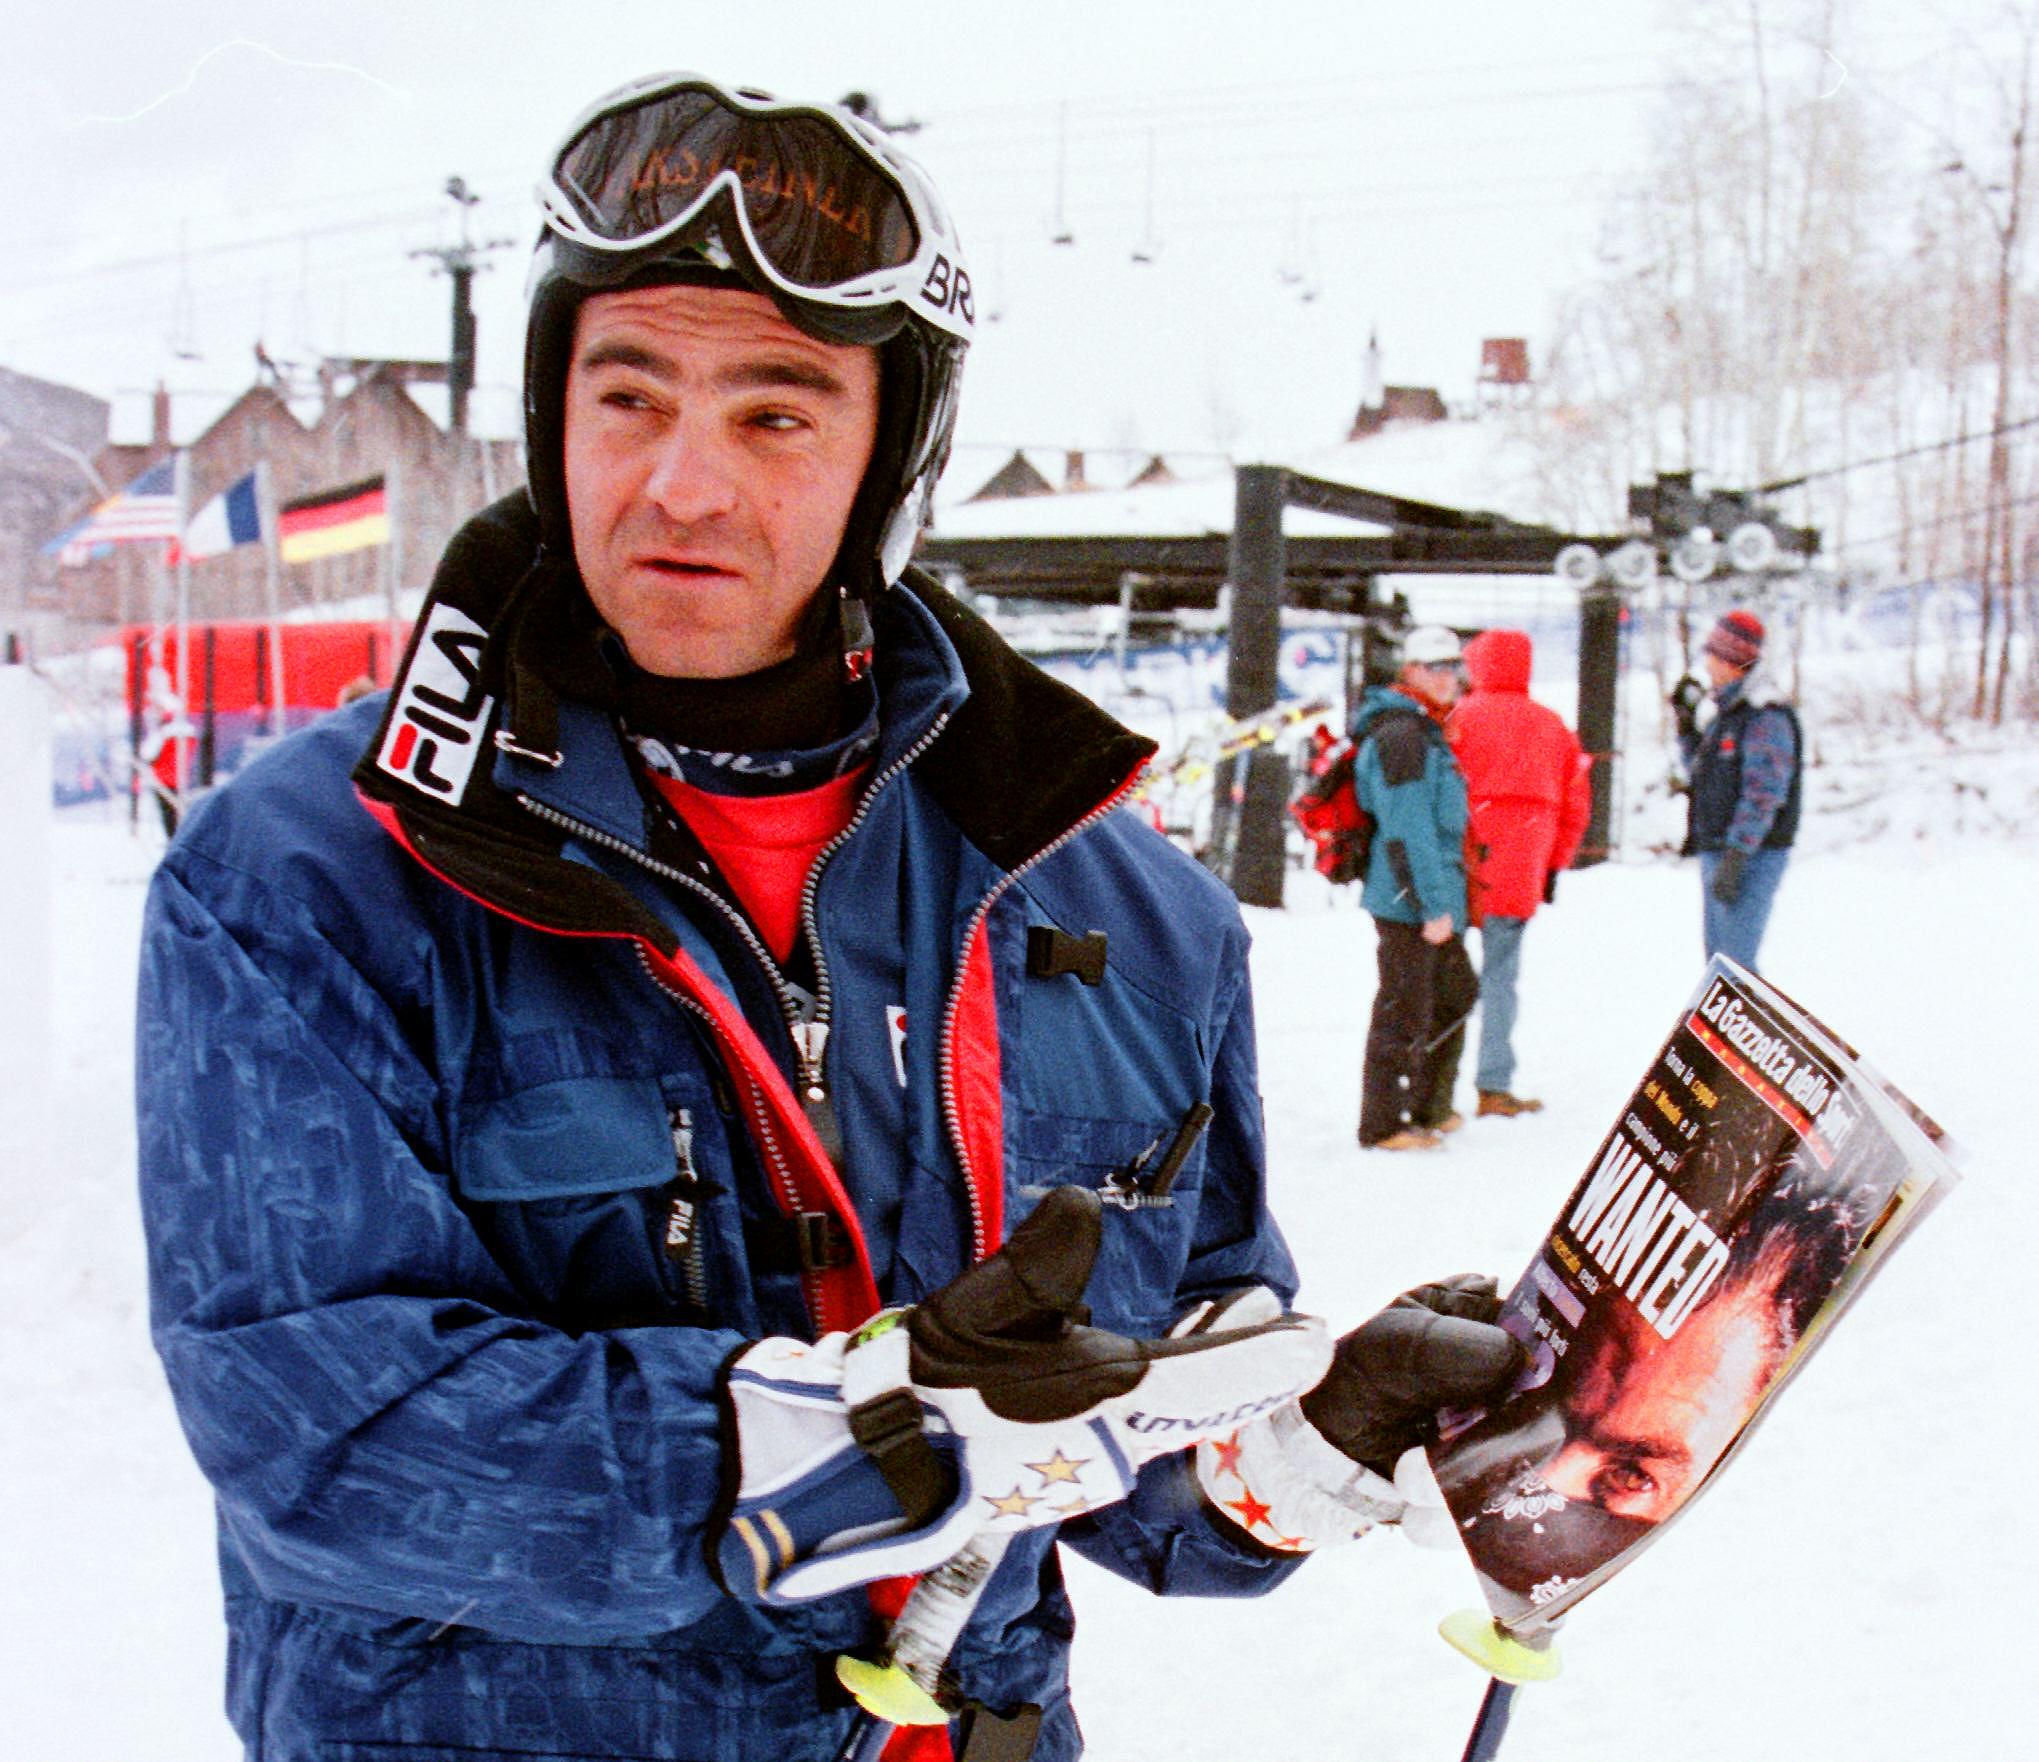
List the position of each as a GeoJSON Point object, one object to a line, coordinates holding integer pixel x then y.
{"type": "Point", "coordinates": [1526, 777]}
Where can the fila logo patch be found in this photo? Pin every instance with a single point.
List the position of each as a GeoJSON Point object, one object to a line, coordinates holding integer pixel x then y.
{"type": "Point", "coordinates": [435, 735]}
{"type": "Point", "coordinates": [895, 1023]}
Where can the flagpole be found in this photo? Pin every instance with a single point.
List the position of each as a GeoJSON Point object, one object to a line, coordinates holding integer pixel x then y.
{"type": "Point", "coordinates": [272, 581]}
{"type": "Point", "coordinates": [161, 613]}
{"type": "Point", "coordinates": [181, 476]}
{"type": "Point", "coordinates": [393, 503]}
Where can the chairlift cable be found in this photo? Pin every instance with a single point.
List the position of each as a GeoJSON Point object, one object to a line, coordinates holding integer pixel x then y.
{"type": "Point", "coordinates": [1938, 446]}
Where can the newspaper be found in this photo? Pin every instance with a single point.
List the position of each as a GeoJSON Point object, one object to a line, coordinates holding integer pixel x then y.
{"type": "Point", "coordinates": [1756, 1178]}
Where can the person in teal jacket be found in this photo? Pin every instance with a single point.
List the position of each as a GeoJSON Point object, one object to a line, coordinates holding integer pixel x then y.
{"type": "Point", "coordinates": [1411, 786]}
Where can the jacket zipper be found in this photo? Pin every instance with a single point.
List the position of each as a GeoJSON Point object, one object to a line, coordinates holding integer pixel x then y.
{"type": "Point", "coordinates": [681, 1236]}
{"type": "Point", "coordinates": [810, 926]}
{"type": "Point", "coordinates": [951, 1109]}
{"type": "Point", "coordinates": [808, 1031]}
{"type": "Point", "coordinates": [778, 1170]}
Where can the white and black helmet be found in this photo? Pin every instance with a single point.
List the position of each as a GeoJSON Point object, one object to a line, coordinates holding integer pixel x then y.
{"type": "Point", "coordinates": [675, 178]}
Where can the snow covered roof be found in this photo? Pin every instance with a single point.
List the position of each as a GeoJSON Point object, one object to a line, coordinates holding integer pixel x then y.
{"type": "Point", "coordinates": [364, 608]}
{"type": "Point", "coordinates": [1480, 464]}
{"type": "Point", "coordinates": [1192, 508]}
{"type": "Point", "coordinates": [494, 412]}
{"type": "Point", "coordinates": [131, 415]}
{"type": "Point", "coordinates": [979, 466]}
{"type": "Point", "coordinates": [1473, 463]}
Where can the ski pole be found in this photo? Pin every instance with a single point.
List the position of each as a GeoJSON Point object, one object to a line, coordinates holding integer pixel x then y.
{"type": "Point", "coordinates": [1509, 1660]}
{"type": "Point", "coordinates": [901, 1690]}
{"type": "Point", "coordinates": [1450, 1028]}
{"type": "Point", "coordinates": [1492, 1724]}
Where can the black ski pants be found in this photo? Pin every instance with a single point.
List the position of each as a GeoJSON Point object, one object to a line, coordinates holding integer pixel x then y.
{"type": "Point", "coordinates": [1418, 1031]}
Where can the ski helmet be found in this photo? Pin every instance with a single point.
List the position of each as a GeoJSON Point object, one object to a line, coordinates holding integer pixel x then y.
{"type": "Point", "coordinates": [675, 178]}
{"type": "Point", "coordinates": [1432, 645]}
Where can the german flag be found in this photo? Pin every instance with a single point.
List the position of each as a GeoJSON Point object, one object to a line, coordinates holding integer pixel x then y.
{"type": "Point", "coordinates": [350, 518]}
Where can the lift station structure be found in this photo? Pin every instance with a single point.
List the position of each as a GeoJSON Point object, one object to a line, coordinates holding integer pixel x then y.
{"type": "Point", "coordinates": [1266, 571]}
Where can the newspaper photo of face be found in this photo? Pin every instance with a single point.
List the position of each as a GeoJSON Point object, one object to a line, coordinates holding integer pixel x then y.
{"type": "Point", "coordinates": [1570, 1476]}
{"type": "Point", "coordinates": [1648, 1416]}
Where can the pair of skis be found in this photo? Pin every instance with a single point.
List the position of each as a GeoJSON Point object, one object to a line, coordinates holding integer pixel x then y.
{"type": "Point", "coordinates": [1247, 734]}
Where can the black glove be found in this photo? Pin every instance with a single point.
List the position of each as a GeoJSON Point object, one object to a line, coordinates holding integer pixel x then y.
{"type": "Point", "coordinates": [1431, 1348]}
{"type": "Point", "coordinates": [1685, 699]}
{"type": "Point", "coordinates": [1727, 876]}
{"type": "Point", "coordinates": [938, 1414]}
{"type": "Point", "coordinates": [1550, 887]}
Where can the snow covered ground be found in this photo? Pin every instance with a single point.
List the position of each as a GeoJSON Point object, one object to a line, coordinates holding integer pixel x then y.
{"type": "Point", "coordinates": [1857, 1585]}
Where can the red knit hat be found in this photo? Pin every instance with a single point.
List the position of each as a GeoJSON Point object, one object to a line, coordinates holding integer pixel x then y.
{"type": "Point", "coordinates": [1737, 639]}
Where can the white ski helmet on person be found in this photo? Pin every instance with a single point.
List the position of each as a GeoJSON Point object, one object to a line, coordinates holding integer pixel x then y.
{"type": "Point", "coordinates": [676, 178]}
{"type": "Point", "coordinates": [1431, 645]}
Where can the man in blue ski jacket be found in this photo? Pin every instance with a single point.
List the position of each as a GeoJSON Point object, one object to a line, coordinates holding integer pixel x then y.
{"type": "Point", "coordinates": [1410, 785]}
{"type": "Point", "coordinates": [1746, 768]}
{"type": "Point", "coordinates": [696, 1107]}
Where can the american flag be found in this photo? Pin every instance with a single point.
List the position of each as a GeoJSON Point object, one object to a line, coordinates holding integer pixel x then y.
{"type": "Point", "coordinates": [146, 510]}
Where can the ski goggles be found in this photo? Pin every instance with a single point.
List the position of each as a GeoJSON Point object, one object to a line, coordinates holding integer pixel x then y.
{"type": "Point", "coordinates": [822, 206]}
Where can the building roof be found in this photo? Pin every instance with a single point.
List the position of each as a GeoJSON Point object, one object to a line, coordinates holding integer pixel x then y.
{"type": "Point", "coordinates": [494, 412]}
{"type": "Point", "coordinates": [1461, 464]}
{"type": "Point", "coordinates": [131, 416]}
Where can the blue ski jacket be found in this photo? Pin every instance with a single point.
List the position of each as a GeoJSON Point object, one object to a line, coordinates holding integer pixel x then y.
{"type": "Point", "coordinates": [1407, 780]}
{"type": "Point", "coordinates": [1747, 778]}
{"type": "Point", "coordinates": [473, 1144]}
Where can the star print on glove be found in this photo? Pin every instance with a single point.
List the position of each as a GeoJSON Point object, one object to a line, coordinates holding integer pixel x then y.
{"type": "Point", "coordinates": [1058, 1468]}
{"type": "Point", "coordinates": [1057, 1471]}
{"type": "Point", "coordinates": [1288, 1489]}
{"type": "Point", "coordinates": [1252, 1513]}
{"type": "Point", "coordinates": [1014, 1504]}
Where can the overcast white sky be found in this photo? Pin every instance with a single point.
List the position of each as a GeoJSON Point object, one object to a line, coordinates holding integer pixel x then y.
{"type": "Point", "coordinates": [187, 177]}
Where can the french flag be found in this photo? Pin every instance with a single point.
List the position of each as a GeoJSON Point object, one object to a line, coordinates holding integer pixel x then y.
{"type": "Point", "coordinates": [231, 518]}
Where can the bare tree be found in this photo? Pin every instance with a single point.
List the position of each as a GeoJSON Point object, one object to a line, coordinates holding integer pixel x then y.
{"type": "Point", "coordinates": [2008, 223]}
{"type": "Point", "coordinates": [1820, 272]}
{"type": "Point", "coordinates": [1734, 266]}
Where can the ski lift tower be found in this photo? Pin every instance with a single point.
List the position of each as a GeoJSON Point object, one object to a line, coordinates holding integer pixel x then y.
{"type": "Point", "coordinates": [458, 263]}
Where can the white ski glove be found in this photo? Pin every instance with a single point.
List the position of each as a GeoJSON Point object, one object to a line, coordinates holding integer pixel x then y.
{"type": "Point", "coordinates": [987, 1407]}
{"type": "Point", "coordinates": [1316, 1472]}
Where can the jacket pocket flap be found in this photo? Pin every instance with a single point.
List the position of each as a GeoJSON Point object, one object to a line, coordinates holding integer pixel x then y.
{"type": "Point", "coordinates": [1050, 1143]}
{"type": "Point", "coordinates": [557, 1140]}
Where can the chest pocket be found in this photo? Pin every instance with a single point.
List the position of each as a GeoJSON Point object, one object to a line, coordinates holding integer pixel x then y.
{"type": "Point", "coordinates": [587, 1189]}
{"type": "Point", "coordinates": [1145, 1248]}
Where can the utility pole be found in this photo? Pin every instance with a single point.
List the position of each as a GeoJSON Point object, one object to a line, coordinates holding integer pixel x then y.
{"type": "Point", "coordinates": [1257, 567]}
{"type": "Point", "coordinates": [459, 262]}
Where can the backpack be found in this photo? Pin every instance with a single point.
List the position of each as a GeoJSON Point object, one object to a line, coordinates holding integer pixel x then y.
{"type": "Point", "coordinates": [1327, 808]}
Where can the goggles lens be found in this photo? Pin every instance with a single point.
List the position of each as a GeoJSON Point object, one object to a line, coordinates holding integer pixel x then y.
{"type": "Point", "coordinates": [820, 209]}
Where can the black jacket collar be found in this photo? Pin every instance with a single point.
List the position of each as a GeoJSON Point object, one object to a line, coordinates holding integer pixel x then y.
{"type": "Point", "coordinates": [507, 635]}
